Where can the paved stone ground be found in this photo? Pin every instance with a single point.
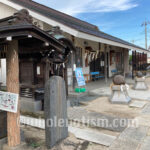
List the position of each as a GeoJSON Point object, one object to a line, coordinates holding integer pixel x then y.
{"type": "Point", "coordinates": [105, 91]}
{"type": "Point", "coordinates": [100, 88]}
{"type": "Point", "coordinates": [137, 104]}
{"type": "Point", "coordinates": [35, 137]}
{"type": "Point", "coordinates": [146, 144]}
{"type": "Point", "coordinates": [81, 100]}
{"type": "Point", "coordinates": [139, 95]}
{"type": "Point", "coordinates": [134, 94]}
{"type": "Point", "coordinates": [94, 119]}
{"type": "Point", "coordinates": [130, 139]}
{"type": "Point", "coordinates": [101, 83]}
{"type": "Point", "coordinates": [146, 109]}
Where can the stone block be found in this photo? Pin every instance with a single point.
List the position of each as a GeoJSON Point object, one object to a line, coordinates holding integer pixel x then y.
{"type": "Point", "coordinates": [139, 79]}
{"type": "Point", "coordinates": [55, 108]}
{"type": "Point", "coordinates": [30, 105]}
{"type": "Point", "coordinates": [118, 96]}
{"type": "Point", "coordinates": [138, 104]}
{"type": "Point", "coordinates": [140, 84]}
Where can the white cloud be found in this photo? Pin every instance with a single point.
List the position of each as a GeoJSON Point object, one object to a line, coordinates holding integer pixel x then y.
{"type": "Point", "coordinates": [74, 7]}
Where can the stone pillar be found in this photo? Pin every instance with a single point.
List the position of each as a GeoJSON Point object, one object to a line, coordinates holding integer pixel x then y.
{"type": "Point", "coordinates": [55, 111]}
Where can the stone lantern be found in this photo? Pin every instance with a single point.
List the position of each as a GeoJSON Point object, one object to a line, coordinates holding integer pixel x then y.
{"type": "Point", "coordinates": [140, 82]}
{"type": "Point", "coordinates": [119, 91]}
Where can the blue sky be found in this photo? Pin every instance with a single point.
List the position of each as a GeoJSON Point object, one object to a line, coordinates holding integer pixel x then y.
{"type": "Point", "coordinates": [120, 18]}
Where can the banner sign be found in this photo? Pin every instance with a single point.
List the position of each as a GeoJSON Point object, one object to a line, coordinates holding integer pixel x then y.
{"type": "Point", "coordinates": [9, 101]}
{"type": "Point", "coordinates": [80, 77]}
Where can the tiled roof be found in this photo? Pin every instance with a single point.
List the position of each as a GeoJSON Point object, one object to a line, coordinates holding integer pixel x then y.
{"type": "Point", "coordinates": [70, 21]}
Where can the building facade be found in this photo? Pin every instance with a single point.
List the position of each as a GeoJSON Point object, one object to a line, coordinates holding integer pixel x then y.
{"type": "Point", "coordinates": [96, 51]}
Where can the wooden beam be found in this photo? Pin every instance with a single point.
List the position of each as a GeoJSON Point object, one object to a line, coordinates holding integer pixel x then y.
{"type": "Point", "coordinates": [13, 127]}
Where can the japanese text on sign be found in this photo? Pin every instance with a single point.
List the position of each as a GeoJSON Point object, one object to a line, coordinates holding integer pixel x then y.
{"type": "Point", "coordinates": [9, 101]}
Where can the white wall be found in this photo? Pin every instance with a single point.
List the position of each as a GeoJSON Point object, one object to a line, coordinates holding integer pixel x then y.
{"type": "Point", "coordinates": [148, 60]}
{"type": "Point", "coordinates": [3, 72]}
{"type": "Point", "coordinates": [6, 11]}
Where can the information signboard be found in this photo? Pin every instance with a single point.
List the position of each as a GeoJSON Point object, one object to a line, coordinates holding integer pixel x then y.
{"type": "Point", "coordinates": [80, 77]}
{"type": "Point", "coordinates": [9, 101]}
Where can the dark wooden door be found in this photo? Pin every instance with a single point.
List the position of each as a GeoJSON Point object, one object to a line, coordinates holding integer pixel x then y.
{"type": "Point", "coordinates": [26, 72]}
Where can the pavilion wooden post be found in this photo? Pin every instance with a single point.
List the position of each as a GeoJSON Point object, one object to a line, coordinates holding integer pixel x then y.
{"type": "Point", "coordinates": [47, 69]}
{"type": "Point", "coordinates": [66, 78]}
{"type": "Point", "coordinates": [72, 65]}
{"type": "Point", "coordinates": [124, 55]}
{"type": "Point", "coordinates": [13, 124]}
{"type": "Point", "coordinates": [105, 65]}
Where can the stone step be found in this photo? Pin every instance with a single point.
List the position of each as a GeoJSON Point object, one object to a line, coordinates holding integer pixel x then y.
{"type": "Point", "coordinates": [137, 104]}
{"type": "Point", "coordinates": [92, 136]}
{"type": "Point", "coordinates": [145, 144]}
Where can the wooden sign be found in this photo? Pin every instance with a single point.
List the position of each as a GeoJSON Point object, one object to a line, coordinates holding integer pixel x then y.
{"type": "Point", "coordinates": [9, 101]}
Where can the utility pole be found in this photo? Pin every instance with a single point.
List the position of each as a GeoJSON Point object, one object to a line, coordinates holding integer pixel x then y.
{"type": "Point", "coordinates": [145, 23]}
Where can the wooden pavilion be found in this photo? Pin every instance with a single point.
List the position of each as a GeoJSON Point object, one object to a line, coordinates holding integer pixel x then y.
{"type": "Point", "coordinates": [32, 56]}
